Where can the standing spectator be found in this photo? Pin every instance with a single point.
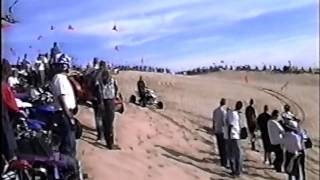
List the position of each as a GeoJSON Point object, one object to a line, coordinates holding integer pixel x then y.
{"type": "Point", "coordinates": [292, 145]}
{"type": "Point", "coordinates": [287, 115]}
{"type": "Point", "coordinates": [13, 80]}
{"type": "Point", "coordinates": [276, 132]}
{"type": "Point", "coordinates": [8, 97]}
{"type": "Point", "coordinates": [107, 90]}
{"type": "Point", "coordinates": [234, 122]}
{"type": "Point", "coordinates": [8, 109]}
{"type": "Point", "coordinates": [40, 69]}
{"type": "Point", "coordinates": [262, 120]}
{"type": "Point", "coordinates": [54, 51]}
{"type": "Point", "coordinates": [26, 64]}
{"type": "Point", "coordinates": [304, 136]}
{"type": "Point", "coordinates": [95, 76]}
{"type": "Point", "coordinates": [65, 101]}
{"type": "Point", "coordinates": [251, 120]}
{"type": "Point", "coordinates": [219, 120]}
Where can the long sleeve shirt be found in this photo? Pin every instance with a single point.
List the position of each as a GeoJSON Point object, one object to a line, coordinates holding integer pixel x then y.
{"type": "Point", "coordinates": [292, 142]}
{"type": "Point", "coordinates": [219, 119]}
{"type": "Point", "coordinates": [275, 131]}
{"type": "Point", "coordinates": [9, 98]}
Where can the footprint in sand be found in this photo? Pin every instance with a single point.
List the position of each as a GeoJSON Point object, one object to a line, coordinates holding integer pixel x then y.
{"type": "Point", "coordinates": [148, 151]}
{"type": "Point", "coordinates": [131, 148]}
{"type": "Point", "coordinates": [149, 167]}
{"type": "Point", "coordinates": [161, 165]}
{"type": "Point", "coordinates": [148, 137]}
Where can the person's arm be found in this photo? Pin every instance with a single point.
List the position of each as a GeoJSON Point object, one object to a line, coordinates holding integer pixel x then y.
{"type": "Point", "coordinates": [115, 88]}
{"type": "Point", "coordinates": [213, 121]}
{"type": "Point", "coordinates": [65, 109]}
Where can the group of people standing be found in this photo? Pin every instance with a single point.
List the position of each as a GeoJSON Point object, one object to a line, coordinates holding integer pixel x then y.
{"type": "Point", "coordinates": [104, 88]}
{"type": "Point", "coordinates": [281, 134]}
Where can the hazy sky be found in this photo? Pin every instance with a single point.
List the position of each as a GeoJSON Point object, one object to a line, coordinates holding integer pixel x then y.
{"type": "Point", "coordinates": [176, 34]}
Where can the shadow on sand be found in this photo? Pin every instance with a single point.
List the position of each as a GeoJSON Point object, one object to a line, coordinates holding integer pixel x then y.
{"type": "Point", "coordinates": [175, 155]}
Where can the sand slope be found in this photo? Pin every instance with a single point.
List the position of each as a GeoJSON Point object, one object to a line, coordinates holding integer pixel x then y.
{"type": "Point", "coordinates": [176, 143]}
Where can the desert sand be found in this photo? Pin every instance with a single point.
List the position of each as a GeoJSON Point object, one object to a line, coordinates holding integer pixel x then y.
{"type": "Point", "coordinates": [177, 143]}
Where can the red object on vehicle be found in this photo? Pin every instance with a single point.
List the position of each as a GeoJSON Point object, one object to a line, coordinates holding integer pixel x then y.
{"type": "Point", "coordinates": [78, 89]}
{"type": "Point", "coordinates": [20, 164]}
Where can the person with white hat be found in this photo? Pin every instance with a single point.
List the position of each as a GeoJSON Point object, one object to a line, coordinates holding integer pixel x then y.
{"type": "Point", "coordinates": [292, 146]}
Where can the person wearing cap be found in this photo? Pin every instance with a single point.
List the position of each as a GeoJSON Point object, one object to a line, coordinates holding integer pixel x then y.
{"type": "Point", "coordinates": [106, 91]}
{"type": "Point", "coordinates": [234, 121]}
{"type": "Point", "coordinates": [262, 121]}
{"type": "Point", "coordinates": [219, 120]}
{"type": "Point", "coordinates": [276, 131]}
{"type": "Point", "coordinates": [65, 102]}
{"type": "Point", "coordinates": [252, 123]}
{"type": "Point", "coordinates": [292, 145]}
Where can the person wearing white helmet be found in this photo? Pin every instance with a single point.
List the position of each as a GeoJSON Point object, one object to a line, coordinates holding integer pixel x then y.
{"type": "Point", "coordinates": [65, 102]}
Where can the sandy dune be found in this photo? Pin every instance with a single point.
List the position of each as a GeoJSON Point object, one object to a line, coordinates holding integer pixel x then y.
{"type": "Point", "coordinates": [176, 143]}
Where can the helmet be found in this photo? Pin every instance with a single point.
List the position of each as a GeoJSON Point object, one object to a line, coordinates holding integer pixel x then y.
{"type": "Point", "coordinates": [65, 60]}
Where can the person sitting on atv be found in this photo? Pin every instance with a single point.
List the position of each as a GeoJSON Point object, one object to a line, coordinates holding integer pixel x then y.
{"type": "Point", "coordinates": [142, 90]}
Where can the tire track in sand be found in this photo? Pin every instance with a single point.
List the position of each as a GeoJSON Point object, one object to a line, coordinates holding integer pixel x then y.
{"type": "Point", "coordinates": [286, 100]}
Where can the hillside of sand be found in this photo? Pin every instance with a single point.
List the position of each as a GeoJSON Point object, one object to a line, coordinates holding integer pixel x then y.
{"type": "Point", "coordinates": [177, 143]}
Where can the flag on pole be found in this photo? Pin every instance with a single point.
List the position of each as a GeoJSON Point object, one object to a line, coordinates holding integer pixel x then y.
{"type": "Point", "coordinates": [39, 37]}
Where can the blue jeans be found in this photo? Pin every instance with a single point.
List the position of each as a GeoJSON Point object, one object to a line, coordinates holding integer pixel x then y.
{"type": "Point", "coordinates": [234, 155]}
{"type": "Point", "coordinates": [68, 136]}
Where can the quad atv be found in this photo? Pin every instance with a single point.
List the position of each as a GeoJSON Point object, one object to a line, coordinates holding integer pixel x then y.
{"type": "Point", "coordinates": [151, 99]}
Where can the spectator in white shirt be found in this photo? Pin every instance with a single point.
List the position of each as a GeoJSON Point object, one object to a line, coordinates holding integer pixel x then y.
{"type": "Point", "coordinates": [292, 145]}
{"type": "Point", "coordinates": [219, 121]}
{"type": "Point", "coordinates": [13, 80]}
{"type": "Point", "coordinates": [66, 103]}
{"type": "Point", "coordinates": [287, 115]}
{"type": "Point", "coordinates": [40, 69]}
{"type": "Point", "coordinates": [276, 131]}
{"type": "Point", "coordinates": [234, 149]}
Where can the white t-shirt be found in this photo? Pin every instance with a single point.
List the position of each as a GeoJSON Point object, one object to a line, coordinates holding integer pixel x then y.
{"type": "Point", "coordinates": [13, 81]}
{"type": "Point", "coordinates": [62, 86]}
{"type": "Point", "coordinates": [275, 131]}
{"type": "Point", "coordinates": [234, 120]}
